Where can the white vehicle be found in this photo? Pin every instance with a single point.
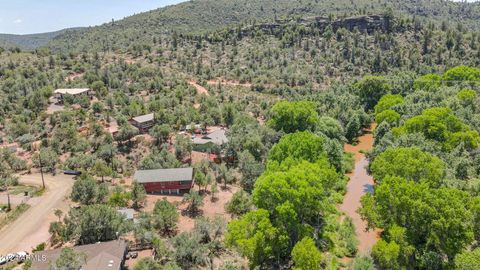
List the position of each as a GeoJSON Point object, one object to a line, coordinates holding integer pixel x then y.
{"type": "Point", "coordinates": [3, 260]}
{"type": "Point", "coordinates": [8, 258]}
{"type": "Point", "coordinates": [21, 255]}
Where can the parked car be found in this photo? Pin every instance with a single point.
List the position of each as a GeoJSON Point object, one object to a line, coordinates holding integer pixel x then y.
{"type": "Point", "coordinates": [21, 255]}
{"type": "Point", "coordinates": [7, 258]}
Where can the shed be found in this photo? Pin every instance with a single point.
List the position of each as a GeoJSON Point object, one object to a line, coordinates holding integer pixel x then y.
{"type": "Point", "coordinates": [143, 122]}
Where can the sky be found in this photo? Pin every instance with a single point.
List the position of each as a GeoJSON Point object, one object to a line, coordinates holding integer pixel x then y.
{"type": "Point", "coordinates": [38, 16]}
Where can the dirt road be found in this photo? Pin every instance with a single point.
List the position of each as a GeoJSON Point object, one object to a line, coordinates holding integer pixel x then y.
{"type": "Point", "coordinates": [18, 199]}
{"type": "Point", "coordinates": [31, 228]}
{"type": "Point", "coordinates": [200, 89]}
{"type": "Point", "coordinates": [359, 184]}
{"type": "Point", "coordinates": [228, 83]}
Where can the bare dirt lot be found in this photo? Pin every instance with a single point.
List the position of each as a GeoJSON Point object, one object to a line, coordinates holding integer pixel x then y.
{"type": "Point", "coordinates": [210, 208]}
{"type": "Point", "coordinates": [31, 228]}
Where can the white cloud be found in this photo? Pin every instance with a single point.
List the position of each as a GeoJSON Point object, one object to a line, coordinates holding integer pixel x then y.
{"type": "Point", "coordinates": [17, 21]}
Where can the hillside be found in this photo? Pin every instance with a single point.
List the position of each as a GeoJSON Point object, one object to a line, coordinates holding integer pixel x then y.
{"type": "Point", "coordinates": [310, 134]}
{"type": "Point", "coordinates": [31, 41]}
{"type": "Point", "coordinates": [206, 15]}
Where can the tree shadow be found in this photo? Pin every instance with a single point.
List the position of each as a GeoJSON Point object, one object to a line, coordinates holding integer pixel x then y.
{"type": "Point", "coordinates": [192, 214]}
{"type": "Point", "coordinates": [368, 188]}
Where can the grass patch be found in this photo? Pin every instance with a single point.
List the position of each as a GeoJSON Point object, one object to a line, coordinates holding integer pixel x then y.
{"type": "Point", "coordinates": [14, 214]}
{"type": "Point", "coordinates": [20, 189]}
{"type": "Point", "coordinates": [39, 192]}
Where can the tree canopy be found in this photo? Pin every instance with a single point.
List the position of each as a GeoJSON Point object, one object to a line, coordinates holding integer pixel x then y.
{"type": "Point", "coordinates": [410, 163]}
{"type": "Point", "coordinates": [290, 117]}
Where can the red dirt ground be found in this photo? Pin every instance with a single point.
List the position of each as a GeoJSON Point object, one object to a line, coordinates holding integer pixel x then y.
{"type": "Point", "coordinates": [210, 209]}
{"type": "Point", "coordinates": [74, 76]}
{"type": "Point", "coordinates": [228, 83]}
{"type": "Point", "coordinates": [200, 89]}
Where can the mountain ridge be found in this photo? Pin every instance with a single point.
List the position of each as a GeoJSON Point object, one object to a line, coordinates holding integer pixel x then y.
{"type": "Point", "coordinates": [200, 16]}
{"type": "Point", "coordinates": [31, 41]}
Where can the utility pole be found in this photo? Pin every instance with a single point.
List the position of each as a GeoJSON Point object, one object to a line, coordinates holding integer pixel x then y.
{"type": "Point", "coordinates": [111, 157]}
{"type": "Point", "coordinates": [41, 168]}
{"type": "Point", "coordinates": [9, 207]}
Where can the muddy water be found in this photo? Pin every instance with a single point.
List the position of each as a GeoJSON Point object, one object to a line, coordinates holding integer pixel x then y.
{"type": "Point", "coordinates": [360, 183]}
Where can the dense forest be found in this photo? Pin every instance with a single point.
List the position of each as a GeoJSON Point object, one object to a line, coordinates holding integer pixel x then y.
{"type": "Point", "coordinates": [292, 82]}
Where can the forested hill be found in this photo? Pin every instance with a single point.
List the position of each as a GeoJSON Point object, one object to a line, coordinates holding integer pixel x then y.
{"type": "Point", "coordinates": [32, 41]}
{"type": "Point", "coordinates": [207, 15]}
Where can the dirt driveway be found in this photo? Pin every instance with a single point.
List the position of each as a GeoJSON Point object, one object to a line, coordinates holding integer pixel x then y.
{"type": "Point", "coordinates": [31, 228]}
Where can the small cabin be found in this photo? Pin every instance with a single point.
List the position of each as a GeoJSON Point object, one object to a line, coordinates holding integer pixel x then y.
{"type": "Point", "coordinates": [143, 122]}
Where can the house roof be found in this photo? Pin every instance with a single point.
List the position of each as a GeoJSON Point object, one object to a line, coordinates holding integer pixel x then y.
{"type": "Point", "coordinates": [100, 256]}
{"type": "Point", "coordinates": [163, 175]}
{"type": "Point", "coordinates": [197, 126]}
{"type": "Point", "coordinates": [144, 118]}
{"type": "Point", "coordinates": [72, 91]}
{"type": "Point", "coordinates": [217, 137]}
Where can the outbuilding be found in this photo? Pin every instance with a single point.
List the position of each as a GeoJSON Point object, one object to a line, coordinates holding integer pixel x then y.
{"type": "Point", "coordinates": [143, 122]}
{"type": "Point", "coordinates": [166, 181]}
{"type": "Point", "coordinates": [60, 93]}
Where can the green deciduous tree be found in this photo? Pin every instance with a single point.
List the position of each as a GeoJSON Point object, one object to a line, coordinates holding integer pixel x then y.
{"type": "Point", "coordinates": [387, 254]}
{"type": "Point", "coordinates": [290, 117]}
{"type": "Point", "coordinates": [363, 262]}
{"type": "Point", "coordinates": [85, 191]}
{"type": "Point", "coordinates": [436, 222]}
{"type": "Point", "coordinates": [138, 194]}
{"type": "Point", "coordinates": [389, 116]}
{"type": "Point", "coordinates": [161, 133]}
{"type": "Point", "coordinates": [410, 163]}
{"type": "Point", "coordinates": [94, 223]}
{"type": "Point", "coordinates": [441, 125]}
{"type": "Point", "coordinates": [256, 238]}
{"type": "Point", "coordinates": [201, 179]}
{"type": "Point", "coordinates": [305, 185]}
{"type": "Point", "coordinates": [387, 102]}
{"type": "Point", "coordinates": [461, 73]}
{"type": "Point", "coordinates": [298, 146]}
{"type": "Point", "coordinates": [250, 168]}
{"type": "Point", "coordinates": [47, 158]}
{"type": "Point", "coordinates": [468, 260]}
{"type": "Point", "coordinates": [330, 128]}
{"type": "Point", "coordinates": [467, 96]}
{"type": "Point", "coordinates": [183, 147]}
{"type": "Point", "coordinates": [240, 204]}
{"type": "Point", "coordinates": [101, 169]}
{"type": "Point", "coordinates": [165, 217]}
{"type": "Point", "coordinates": [371, 89]}
{"type": "Point", "coordinates": [428, 82]}
{"type": "Point", "coordinates": [194, 201]}
{"type": "Point", "coordinates": [306, 255]}
{"type": "Point", "coordinates": [190, 251]}
{"type": "Point", "coordinates": [119, 198]}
